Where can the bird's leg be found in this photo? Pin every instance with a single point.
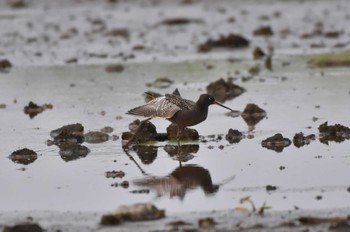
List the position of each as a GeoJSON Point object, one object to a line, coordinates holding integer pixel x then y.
{"type": "Point", "coordinates": [178, 135]}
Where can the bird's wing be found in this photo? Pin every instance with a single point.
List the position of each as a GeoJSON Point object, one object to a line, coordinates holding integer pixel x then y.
{"type": "Point", "coordinates": [183, 104]}
{"type": "Point", "coordinates": [158, 107]}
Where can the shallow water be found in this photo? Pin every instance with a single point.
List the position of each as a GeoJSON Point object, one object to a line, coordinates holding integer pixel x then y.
{"type": "Point", "coordinates": [239, 170]}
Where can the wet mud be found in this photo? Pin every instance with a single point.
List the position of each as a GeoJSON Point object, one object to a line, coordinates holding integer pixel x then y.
{"type": "Point", "coordinates": [287, 83]}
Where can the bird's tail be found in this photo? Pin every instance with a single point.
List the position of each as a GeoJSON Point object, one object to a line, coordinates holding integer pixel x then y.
{"type": "Point", "coordinates": [145, 111]}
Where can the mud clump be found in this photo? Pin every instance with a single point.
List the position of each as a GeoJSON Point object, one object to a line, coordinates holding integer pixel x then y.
{"type": "Point", "coordinates": [234, 136]}
{"type": "Point", "coordinates": [118, 32]}
{"type": "Point", "coordinates": [132, 213]}
{"type": "Point", "coordinates": [252, 115]}
{"type": "Point", "coordinates": [5, 65]}
{"type": "Point", "coordinates": [33, 109]}
{"type": "Point", "coordinates": [114, 68]}
{"type": "Point", "coordinates": [263, 31]}
{"type": "Point", "coordinates": [300, 139]}
{"type": "Point", "coordinates": [72, 133]}
{"type": "Point", "coordinates": [276, 142]}
{"type": "Point", "coordinates": [114, 174]}
{"type": "Point", "coordinates": [96, 137]}
{"type": "Point", "coordinates": [186, 134]}
{"type": "Point", "coordinates": [229, 41]}
{"type": "Point", "coordinates": [223, 90]}
{"type": "Point", "coordinates": [160, 83]}
{"type": "Point", "coordinates": [69, 151]}
{"type": "Point", "coordinates": [145, 132]}
{"type": "Point", "coordinates": [26, 227]}
{"type": "Point", "coordinates": [23, 156]}
{"type": "Point", "coordinates": [206, 223]}
{"type": "Point", "coordinates": [179, 21]}
{"type": "Point", "coordinates": [337, 133]}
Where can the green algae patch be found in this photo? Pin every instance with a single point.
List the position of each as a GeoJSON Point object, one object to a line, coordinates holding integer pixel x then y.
{"type": "Point", "coordinates": [341, 59]}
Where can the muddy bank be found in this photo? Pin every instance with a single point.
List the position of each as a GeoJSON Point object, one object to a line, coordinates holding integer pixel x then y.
{"type": "Point", "coordinates": [228, 220]}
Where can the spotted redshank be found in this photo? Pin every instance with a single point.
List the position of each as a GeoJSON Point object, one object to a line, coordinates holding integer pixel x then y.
{"type": "Point", "coordinates": [179, 111]}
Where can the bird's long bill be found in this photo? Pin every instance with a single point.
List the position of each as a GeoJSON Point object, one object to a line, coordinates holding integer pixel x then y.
{"type": "Point", "coordinates": [217, 103]}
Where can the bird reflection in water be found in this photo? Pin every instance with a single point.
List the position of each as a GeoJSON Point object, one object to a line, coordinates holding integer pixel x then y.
{"type": "Point", "coordinates": [178, 182]}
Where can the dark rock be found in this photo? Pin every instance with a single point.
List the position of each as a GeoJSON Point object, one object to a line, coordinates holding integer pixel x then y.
{"type": "Point", "coordinates": [23, 156]}
{"type": "Point", "coordinates": [223, 90]}
{"type": "Point", "coordinates": [229, 41]}
{"type": "Point", "coordinates": [276, 142]}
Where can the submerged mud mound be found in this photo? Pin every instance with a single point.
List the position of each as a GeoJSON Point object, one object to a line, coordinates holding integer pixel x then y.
{"type": "Point", "coordinates": [223, 90]}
